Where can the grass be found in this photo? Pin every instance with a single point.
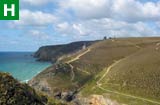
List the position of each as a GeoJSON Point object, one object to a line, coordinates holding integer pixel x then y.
{"type": "Point", "coordinates": [92, 88]}
{"type": "Point", "coordinates": [97, 58]}
{"type": "Point", "coordinates": [137, 74]}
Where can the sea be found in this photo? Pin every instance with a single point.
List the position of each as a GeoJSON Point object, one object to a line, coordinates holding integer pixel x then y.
{"type": "Point", "coordinates": [21, 65]}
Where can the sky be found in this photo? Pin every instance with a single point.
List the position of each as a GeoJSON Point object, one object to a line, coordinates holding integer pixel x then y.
{"type": "Point", "coordinates": [50, 22]}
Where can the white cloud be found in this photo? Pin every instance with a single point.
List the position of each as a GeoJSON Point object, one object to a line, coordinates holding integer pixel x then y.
{"type": "Point", "coordinates": [63, 27]}
{"type": "Point", "coordinates": [132, 10]}
{"type": "Point", "coordinates": [127, 10]}
{"type": "Point", "coordinates": [97, 28]}
{"type": "Point", "coordinates": [39, 35]}
{"type": "Point", "coordinates": [80, 29]}
{"type": "Point", "coordinates": [66, 28]}
{"type": "Point", "coordinates": [93, 18]}
{"type": "Point", "coordinates": [37, 18]}
{"type": "Point", "coordinates": [88, 8]}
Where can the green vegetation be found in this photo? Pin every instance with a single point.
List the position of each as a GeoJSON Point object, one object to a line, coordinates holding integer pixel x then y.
{"type": "Point", "coordinates": [124, 69]}
{"type": "Point", "coordinates": [14, 93]}
{"type": "Point", "coordinates": [136, 75]}
{"type": "Point", "coordinates": [92, 88]}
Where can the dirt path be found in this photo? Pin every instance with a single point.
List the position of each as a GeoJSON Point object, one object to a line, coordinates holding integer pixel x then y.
{"type": "Point", "coordinates": [116, 62]}
{"type": "Point", "coordinates": [72, 72]}
{"type": "Point", "coordinates": [99, 85]}
{"type": "Point", "coordinates": [108, 69]}
{"type": "Point", "coordinates": [83, 71]}
{"type": "Point", "coordinates": [134, 45]}
{"type": "Point", "coordinates": [80, 55]}
{"type": "Point", "coordinates": [131, 96]}
{"type": "Point", "coordinates": [74, 59]}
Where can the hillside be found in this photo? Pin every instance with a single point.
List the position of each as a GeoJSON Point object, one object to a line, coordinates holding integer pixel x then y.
{"type": "Point", "coordinates": [52, 53]}
{"type": "Point", "coordinates": [122, 71]}
{"type": "Point", "coordinates": [133, 79]}
{"type": "Point", "coordinates": [14, 93]}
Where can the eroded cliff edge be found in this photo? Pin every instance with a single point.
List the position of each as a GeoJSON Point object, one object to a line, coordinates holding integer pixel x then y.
{"type": "Point", "coordinates": [53, 52]}
{"type": "Point", "coordinates": [101, 71]}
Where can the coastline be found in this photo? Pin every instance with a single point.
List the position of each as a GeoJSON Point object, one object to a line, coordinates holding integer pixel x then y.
{"type": "Point", "coordinates": [22, 65]}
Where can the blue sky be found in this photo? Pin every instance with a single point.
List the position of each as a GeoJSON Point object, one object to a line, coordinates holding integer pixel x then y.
{"type": "Point", "coordinates": [48, 22]}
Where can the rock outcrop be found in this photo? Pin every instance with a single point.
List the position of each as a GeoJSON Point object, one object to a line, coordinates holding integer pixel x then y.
{"type": "Point", "coordinates": [43, 83]}
{"type": "Point", "coordinates": [94, 100]}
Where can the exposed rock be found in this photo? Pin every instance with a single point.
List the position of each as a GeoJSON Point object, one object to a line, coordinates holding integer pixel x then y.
{"type": "Point", "coordinates": [94, 100]}
{"type": "Point", "coordinates": [41, 86]}
{"type": "Point", "coordinates": [67, 96]}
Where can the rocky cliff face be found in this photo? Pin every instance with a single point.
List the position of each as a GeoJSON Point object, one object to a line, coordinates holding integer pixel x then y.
{"type": "Point", "coordinates": [52, 53]}
{"type": "Point", "coordinates": [63, 91]}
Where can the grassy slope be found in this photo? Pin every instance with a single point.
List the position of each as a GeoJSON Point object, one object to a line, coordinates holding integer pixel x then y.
{"type": "Point", "coordinates": [103, 54]}
{"type": "Point", "coordinates": [88, 62]}
{"type": "Point", "coordinates": [136, 75]}
{"type": "Point", "coordinates": [90, 67]}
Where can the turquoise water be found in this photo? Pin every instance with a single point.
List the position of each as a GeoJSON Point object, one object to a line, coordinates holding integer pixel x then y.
{"type": "Point", "coordinates": [21, 65]}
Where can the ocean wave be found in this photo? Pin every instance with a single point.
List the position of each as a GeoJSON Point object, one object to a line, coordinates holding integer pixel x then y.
{"type": "Point", "coordinates": [25, 81]}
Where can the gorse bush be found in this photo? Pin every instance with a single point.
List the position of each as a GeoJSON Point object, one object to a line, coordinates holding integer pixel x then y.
{"type": "Point", "coordinates": [12, 92]}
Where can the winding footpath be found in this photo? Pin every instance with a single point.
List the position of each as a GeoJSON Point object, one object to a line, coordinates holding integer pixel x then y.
{"type": "Point", "coordinates": [88, 73]}
{"type": "Point", "coordinates": [72, 72]}
{"type": "Point", "coordinates": [108, 69]}
{"type": "Point", "coordinates": [127, 95]}
{"type": "Point", "coordinates": [80, 55]}
{"type": "Point", "coordinates": [134, 45]}
{"type": "Point", "coordinates": [99, 85]}
{"type": "Point", "coordinates": [74, 59]}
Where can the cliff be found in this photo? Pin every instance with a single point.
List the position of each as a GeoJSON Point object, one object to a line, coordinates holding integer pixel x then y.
{"type": "Point", "coordinates": [52, 53]}
{"type": "Point", "coordinates": [113, 71]}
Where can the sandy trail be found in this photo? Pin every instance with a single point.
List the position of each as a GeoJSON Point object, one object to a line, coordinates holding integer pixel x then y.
{"type": "Point", "coordinates": [74, 59]}
{"type": "Point", "coordinates": [80, 55]}
{"type": "Point", "coordinates": [99, 85]}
